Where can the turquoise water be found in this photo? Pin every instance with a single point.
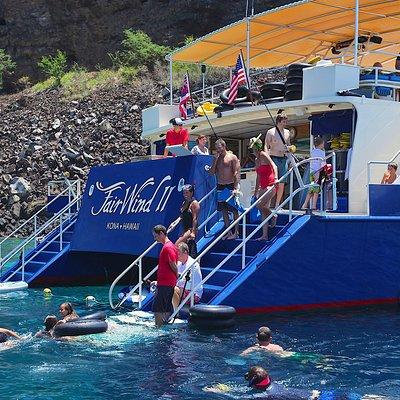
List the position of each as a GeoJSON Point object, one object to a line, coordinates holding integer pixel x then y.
{"type": "Point", "coordinates": [136, 361]}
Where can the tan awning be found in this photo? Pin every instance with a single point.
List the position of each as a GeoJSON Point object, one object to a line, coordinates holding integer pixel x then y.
{"type": "Point", "coordinates": [300, 31]}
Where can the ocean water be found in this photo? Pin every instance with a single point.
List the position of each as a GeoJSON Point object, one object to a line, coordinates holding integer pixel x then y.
{"type": "Point", "coordinates": [355, 352]}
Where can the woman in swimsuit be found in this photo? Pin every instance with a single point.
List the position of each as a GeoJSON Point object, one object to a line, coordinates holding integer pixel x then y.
{"type": "Point", "coordinates": [266, 179]}
{"type": "Point", "coordinates": [67, 313]}
{"type": "Point", "coordinates": [188, 218]}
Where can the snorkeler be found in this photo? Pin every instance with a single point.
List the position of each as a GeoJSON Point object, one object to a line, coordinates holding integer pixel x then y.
{"type": "Point", "coordinates": [261, 382]}
{"type": "Point", "coordinates": [49, 323]}
{"type": "Point", "coordinates": [264, 343]}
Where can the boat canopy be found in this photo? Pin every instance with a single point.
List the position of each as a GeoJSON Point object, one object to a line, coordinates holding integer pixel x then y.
{"type": "Point", "coordinates": [303, 30]}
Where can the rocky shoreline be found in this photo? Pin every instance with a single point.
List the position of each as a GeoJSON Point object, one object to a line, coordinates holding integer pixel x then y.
{"type": "Point", "coordinates": [44, 137]}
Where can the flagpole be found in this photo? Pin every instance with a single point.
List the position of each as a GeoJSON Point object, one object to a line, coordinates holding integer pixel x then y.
{"type": "Point", "coordinates": [190, 94]}
{"type": "Point", "coordinates": [247, 78]}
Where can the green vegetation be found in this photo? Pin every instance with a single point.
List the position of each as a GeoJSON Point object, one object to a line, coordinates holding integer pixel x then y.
{"type": "Point", "coordinates": [54, 66]}
{"type": "Point", "coordinates": [7, 65]}
{"type": "Point", "coordinates": [138, 58]}
{"type": "Point", "coordinates": [138, 51]}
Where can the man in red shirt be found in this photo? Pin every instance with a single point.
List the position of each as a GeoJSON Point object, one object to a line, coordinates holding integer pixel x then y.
{"type": "Point", "coordinates": [167, 274]}
{"type": "Point", "coordinates": [176, 135]}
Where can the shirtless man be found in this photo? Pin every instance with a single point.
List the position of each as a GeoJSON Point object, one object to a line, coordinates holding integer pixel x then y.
{"type": "Point", "coordinates": [277, 150]}
{"type": "Point", "coordinates": [227, 168]}
{"type": "Point", "coordinates": [390, 175]}
{"type": "Point", "coordinates": [264, 339]}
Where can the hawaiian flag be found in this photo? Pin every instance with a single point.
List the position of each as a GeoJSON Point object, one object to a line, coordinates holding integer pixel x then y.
{"type": "Point", "coordinates": [238, 78]}
{"type": "Point", "coordinates": [184, 97]}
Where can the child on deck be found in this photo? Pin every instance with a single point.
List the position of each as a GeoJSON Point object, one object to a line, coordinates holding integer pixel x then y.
{"type": "Point", "coordinates": [315, 172]}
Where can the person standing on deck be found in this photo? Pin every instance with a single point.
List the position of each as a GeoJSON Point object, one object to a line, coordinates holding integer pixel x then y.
{"type": "Point", "coordinates": [277, 149]}
{"type": "Point", "coordinates": [266, 177]}
{"type": "Point", "coordinates": [200, 149]}
{"type": "Point", "coordinates": [167, 274]}
{"type": "Point", "coordinates": [176, 135]}
{"type": "Point", "coordinates": [226, 167]}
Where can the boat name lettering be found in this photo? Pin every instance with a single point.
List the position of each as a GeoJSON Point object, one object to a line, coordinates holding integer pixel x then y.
{"type": "Point", "coordinates": [122, 199]}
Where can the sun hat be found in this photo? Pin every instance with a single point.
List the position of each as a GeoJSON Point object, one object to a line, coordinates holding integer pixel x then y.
{"type": "Point", "coordinates": [256, 142]}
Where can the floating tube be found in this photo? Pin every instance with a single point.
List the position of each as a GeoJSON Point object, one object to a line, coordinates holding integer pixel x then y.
{"type": "Point", "coordinates": [80, 327]}
{"type": "Point", "coordinates": [99, 315]}
{"type": "Point", "coordinates": [8, 287]}
{"type": "Point", "coordinates": [212, 316]}
{"type": "Point", "coordinates": [207, 108]}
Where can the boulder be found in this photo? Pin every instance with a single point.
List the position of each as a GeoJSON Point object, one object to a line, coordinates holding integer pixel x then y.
{"type": "Point", "coordinates": [20, 187]}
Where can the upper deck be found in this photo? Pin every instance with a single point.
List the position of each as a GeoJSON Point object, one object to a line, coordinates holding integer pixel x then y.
{"type": "Point", "coordinates": [352, 36]}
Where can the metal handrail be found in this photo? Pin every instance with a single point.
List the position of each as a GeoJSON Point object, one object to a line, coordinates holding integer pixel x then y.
{"type": "Point", "coordinates": [138, 260]}
{"type": "Point", "coordinates": [242, 244]}
{"type": "Point", "coordinates": [140, 280]}
{"type": "Point", "coordinates": [225, 83]}
{"type": "Point", "coordinates": [34, 217]}
{"type": "Point", "coordinates": [42, 228]}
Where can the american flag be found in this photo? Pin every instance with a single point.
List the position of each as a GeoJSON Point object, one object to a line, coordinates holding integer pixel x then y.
{"type": "Point", "coordinates": [238, 78]}
{"type": "Point", "coordinates": [184, 97]}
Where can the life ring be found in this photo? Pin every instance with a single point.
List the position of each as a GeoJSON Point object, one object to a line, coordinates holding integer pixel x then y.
{"type": "Point", "coordinates": [79, 327]}
{"type": "Point", "coordinates": [297, 67]}
{"type": "Point", "coordinates": [206, 108]}
{"type": "Point", "coordinates": [293, 95]}
{"type": "Point", "coordinates": [212, 316]}
{"type": "Point", "coordinates": [242, 95]}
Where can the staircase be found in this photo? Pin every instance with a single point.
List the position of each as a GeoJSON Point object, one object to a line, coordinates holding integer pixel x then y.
{"type": "Point", "coordinates": [230, 270]}
{"type": "Point", "coordinates": [50, 241]}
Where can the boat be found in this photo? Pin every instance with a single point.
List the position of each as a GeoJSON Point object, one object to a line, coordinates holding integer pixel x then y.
{"type": "Point", "coordinates": [8, 287]}
{"type": "Point", "coordinates": [344, 255]}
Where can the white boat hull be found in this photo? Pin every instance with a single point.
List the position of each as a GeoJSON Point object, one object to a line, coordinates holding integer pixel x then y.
{"type": "Point", "coordinates": [8, 287]}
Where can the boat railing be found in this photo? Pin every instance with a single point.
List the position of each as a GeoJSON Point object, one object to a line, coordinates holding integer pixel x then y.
{"type": "Point", "coordinates": [54, 228]}
{"type": "Point", "coordinates": [242, 245]}
{"type": "Point", "coordinates": [139, 262]}
{"type": "Point", "coordinates": [370, 165]}
{"type": "Point", "coordinates": [33, 224]}
{"type": "Point", "coordinates": [212, 92]}
{"type": "Point", "coordinates": [381, 78]}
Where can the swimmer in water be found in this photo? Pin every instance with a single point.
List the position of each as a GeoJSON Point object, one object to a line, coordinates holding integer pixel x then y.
{"type": "Point", "coordinates": [5, 335]}
{"type": "Point", "coordinates": [49, 323]}
{"type": "Point", "coordinates": [259, 380]}
{"type": "Point", "coordinates": [264, 343]}
{"type": "Point", "coordinates": [67, 313]}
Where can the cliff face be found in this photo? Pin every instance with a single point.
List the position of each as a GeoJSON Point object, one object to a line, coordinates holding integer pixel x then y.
{"type": "Point", "coordinates": [89, 29]}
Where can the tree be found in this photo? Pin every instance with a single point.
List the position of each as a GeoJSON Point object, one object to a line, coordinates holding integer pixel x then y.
{"type": "Point", "coordinates": [54, 66]}
{"type": "Point", "coordinates": [7, 65]}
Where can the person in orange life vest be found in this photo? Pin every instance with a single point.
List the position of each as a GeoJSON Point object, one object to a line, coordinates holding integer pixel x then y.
{"type": "Point", "coordinates": [176, 135]}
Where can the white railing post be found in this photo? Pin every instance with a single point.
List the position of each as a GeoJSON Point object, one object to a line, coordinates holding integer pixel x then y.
{"type": "Point", "coordinates": [244, 243]}
{"type": "Point", "coordinates": [61, 242]}
{"type": "Point", "coordinates": [212, 94]}
{"type": "Point", "coordinates": [23, 263]}
{"type": "Point", "coordinates": [35, 228]}
{"type": "Point", "coordinates": [191, 284]}
{"type": "Point", "coordinates": [291, 197]}
{"type": "Point", "coordinates": [334, 194]}
{"type": "Point", "coordinates": [140, 283]}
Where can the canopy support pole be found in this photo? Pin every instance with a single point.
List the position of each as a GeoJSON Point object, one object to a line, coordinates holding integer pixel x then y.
{"type": "Point", "coordinates": [248, 48]}
{"type": "Point", "coordinates": [357, 9]}
{"type": "Point", "coordinates": [170, 81]}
